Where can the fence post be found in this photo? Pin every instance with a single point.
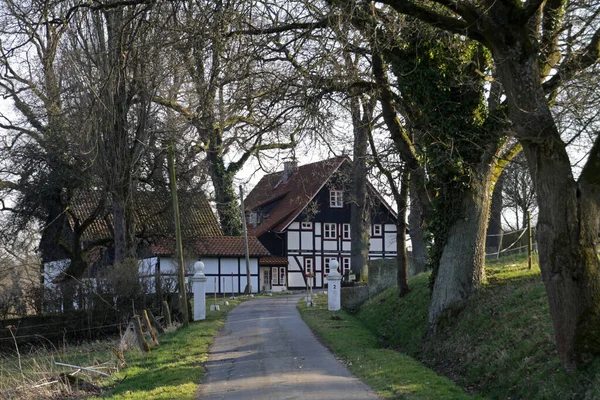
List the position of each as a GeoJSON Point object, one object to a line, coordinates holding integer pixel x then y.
{"type": "Point", "coordinates": [529, 239]}
{"type": "Point", "coordinates": [167, 313]}
{"type": "Point", "coordinates": [137, 326]}
{"type": "Point", "coordinates": [334, 292]}
{"type": "Point", "coordinates": [149, 326]}
{"type": "Point", "coordinates": [500, 243]}
{"type": "Point", "coordinates": [199, 290]}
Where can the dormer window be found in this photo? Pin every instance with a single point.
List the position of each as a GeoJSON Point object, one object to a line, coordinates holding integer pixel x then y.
{"type": "Point", "coordinates": [336, 199]}
{"type": "Point", "coordinates": [253, 218]}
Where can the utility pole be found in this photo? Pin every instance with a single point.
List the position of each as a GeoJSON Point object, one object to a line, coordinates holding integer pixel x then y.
{"type": "Point", "coordinates": [249, 291]}
{"type": "Point", "coordinates": [179, 246]}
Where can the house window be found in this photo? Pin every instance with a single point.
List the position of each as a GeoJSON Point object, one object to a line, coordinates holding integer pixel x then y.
{"type": "Point", "coordinates": [274, 276]}
{"type": "Point", "coordinates": [308, 266]}
{"type": "Point", "coordinates": [252, 218]}
{"type": "Point", "coordinates": [327, 263]}
{"type": "Point", "coordinates": [346, 264]}
{"type": "Point", "coordinates": [377, 230]}
{"type": "Point", "coordinates": [306, 225]}
{"type": "Point", "coordinates": [329, 231]}
{"type": "Point", "coordinates": [346, 231]}
{"type": "Point", "coordinates": [282, 275]}
{"type": "Point", "coordinates": [336, 199]}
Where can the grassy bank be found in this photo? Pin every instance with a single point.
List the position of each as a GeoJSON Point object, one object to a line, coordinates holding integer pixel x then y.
{"type": "Point", "coordinates": [501, 345]}
{"type": "Point", "coordinates": [391, 374]}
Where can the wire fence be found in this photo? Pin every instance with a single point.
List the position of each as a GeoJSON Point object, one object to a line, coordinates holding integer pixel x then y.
{"type": "Point", "coordinates": [510, 242]}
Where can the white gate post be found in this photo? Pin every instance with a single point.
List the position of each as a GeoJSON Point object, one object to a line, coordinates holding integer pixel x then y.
{"type": "Point", "coordinates": [199, 290]}
{"type": "Point", "coordinates": [334, 292]}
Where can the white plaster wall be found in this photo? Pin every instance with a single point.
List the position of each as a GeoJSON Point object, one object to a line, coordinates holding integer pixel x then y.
{"type": "Point", "coordinates": [307, 241]}
{"type": "Point", "coordinates": [390, 242]}
{"type": "Point", "coordinates": [294, 225]}
{"type": "Point", "coordinates": [253, 265]}
{"type": "Point", "coordinates": [293, 240]}
{"type": "Point", "coordinates": [317, 226]}
{"type": "Point", "coordinates": [211, 266]}
{"type": "Point", "coordinates": [346, 246]}
{"type": "Point", "coordinates": [230, 265]}
{"type": "Point", "coordinates": [330, 245]}
{"type": "Point", "coordinates": [295, 280]}
{"type": "Point", "coordinates": [375, 244]}
{"type": "Point", "coordinates": [293, 264]}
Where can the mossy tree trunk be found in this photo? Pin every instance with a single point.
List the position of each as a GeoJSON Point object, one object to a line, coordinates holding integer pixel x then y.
{"type": "Point", "coordinates": [225, 196]}
{"type": "Point", "coordinates": [567, 229]}
{"type": "Point", "coordinates": [461, 267]}
{"type": "Point", "coordinates": [402, 264]}
{"type": "Point", "coordinates": [416, 221]}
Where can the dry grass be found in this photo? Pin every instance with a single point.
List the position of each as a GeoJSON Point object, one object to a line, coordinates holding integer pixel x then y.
{"type": "Point", "coordinates": [33, 373]}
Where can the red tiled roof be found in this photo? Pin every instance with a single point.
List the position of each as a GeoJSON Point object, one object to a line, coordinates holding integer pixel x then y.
{"type": "Point", "coordinates": [211, 246]}
{"type": "Point", "coordinates": [293, 195]}
{"type": "Point", "coordinates": [273, 260]}
{"type": "Point", "coordinates": [153, 215]}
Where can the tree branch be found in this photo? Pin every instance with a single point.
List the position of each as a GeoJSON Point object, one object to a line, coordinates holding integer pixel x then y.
{"type": "Point", "coordinates": [578, 62]}
{"type": "Point", "coordinates": [454, 25]}
{"type": "Point", "coordinates": [322, 23]}
{"type": "Point", "coordinates": [530, 8]}
{"type": "Point", "coordinates": [390, 115]}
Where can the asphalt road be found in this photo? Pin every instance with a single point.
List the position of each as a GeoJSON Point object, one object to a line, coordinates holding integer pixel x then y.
{"type": "Point", "coordinates": [266, 351]}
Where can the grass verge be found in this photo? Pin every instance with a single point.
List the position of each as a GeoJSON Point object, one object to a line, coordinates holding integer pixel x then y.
{"type": "Point", "coordinates": [501, 345]}
{"type": "Point", "coordinates": [174, 369]}
{"type": "Point", "coordinates": [391, 374]}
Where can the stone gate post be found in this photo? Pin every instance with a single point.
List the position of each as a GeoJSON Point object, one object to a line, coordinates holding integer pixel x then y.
{"type": "Point", "coordinates": [334, 292]}
{"type": "Point", "coordinates": [199, 290]}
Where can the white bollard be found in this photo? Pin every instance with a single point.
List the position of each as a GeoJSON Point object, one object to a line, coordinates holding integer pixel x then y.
{"type": "Point", "coordinates": [199, 290]}
{"type": "Point", "coordinates": [334, 293]}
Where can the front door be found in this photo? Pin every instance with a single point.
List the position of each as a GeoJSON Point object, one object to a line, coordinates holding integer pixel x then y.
{"type": "Point", "coordinates": [266, 280]}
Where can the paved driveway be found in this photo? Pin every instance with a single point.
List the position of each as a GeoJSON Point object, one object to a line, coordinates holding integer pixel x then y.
{"type": "Point", "coordinates": [266, 351]}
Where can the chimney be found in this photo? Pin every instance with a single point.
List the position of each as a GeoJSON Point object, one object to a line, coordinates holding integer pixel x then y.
{"type": "Point", "coordinates": [289, 167]}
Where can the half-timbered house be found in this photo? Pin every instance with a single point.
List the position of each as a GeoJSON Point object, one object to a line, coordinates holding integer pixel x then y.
{"type": "Point", "coordinates": [302, 216]}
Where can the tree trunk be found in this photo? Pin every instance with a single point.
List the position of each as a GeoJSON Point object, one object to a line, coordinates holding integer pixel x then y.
{"type": "Point", "coordinates": [360, 218]}
{"type": "Point", "coordinates": [567, 229]}
{"type": "Point", "coordinates": [418, 258]}
{"type": "Point", "coordinates": [119, 227]}
{"type": "Point", "coordinates": [225, 197]}
{"type": "Point", "coordinates": [461, 269]}
{"type": "Point", "coordinates": [402, 255]}
{"type": "Point", "coordinates": [495, 223]}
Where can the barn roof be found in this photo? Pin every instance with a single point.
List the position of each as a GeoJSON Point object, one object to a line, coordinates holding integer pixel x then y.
{"type": "Point", "coordinates": [153, 212]}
